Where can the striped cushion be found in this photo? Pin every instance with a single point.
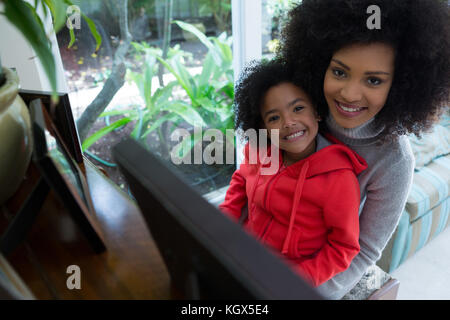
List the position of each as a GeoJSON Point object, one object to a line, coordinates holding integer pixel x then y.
{"type": "Point", "coordinates": [411, 237]}
{"type": "Point", "coordinates": [431, 145]}
{"type": "Point", "coordinates": [431, 186]}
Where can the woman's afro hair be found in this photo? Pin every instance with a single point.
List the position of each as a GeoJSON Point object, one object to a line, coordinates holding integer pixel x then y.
{"type": "Point", "coordinates": [254, 82]}
{"type": "Point", "coordinates": [419, 32]}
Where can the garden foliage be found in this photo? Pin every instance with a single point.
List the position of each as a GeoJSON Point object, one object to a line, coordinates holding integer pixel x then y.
{"type": "Point", "coordinates": [206, 100]}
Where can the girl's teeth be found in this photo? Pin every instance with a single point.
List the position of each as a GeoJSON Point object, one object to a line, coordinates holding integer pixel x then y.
{"type": "Point", "coordinates": [295, 135]}
{"type": "Point", "coordinates": [350, 109]}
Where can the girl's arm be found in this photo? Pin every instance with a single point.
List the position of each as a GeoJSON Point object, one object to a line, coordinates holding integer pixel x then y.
{"type": "Point", "coordinates": [386, 198]}
{"type": "Point", "coordinates": [236, 197]}
{"type": "Point", "coordinates": [341, 219]}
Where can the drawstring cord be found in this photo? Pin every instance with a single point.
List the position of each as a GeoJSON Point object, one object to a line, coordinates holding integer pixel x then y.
{"type": "Point", "coordinates": [253, 193]}
{"type": "Point", "coordinates": [297, 196]}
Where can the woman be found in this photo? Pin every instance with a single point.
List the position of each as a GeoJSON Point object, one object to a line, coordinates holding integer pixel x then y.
{"type": "Point", "coordinates": [373, 86]}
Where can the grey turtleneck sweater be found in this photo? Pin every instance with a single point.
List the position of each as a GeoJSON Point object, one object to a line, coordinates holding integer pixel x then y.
{"type": "Point", "coordinates": [384, 185]}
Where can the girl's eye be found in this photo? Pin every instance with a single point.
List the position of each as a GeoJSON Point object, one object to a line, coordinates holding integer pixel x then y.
{"type": "Point", "coordinates": [273, 118]}
{"type": "Point", "coordinates": [338, 73]}
{"type": "Point", "coordinates": [298, 108]}
{"type": "Point", "coordinates": [374, 81]}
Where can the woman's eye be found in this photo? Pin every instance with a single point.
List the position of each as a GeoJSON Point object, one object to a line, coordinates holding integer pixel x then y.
{"type": "Point", "coordinates": [338, 73]}
{"type": "Point", "coordinates": [273, 118]}
{"type": "Point", "coordinates": [298, 108]}
{"type": "Point", "coordinates": [374, 81]}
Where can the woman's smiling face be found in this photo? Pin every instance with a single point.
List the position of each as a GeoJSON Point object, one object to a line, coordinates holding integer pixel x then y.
{"type": "Point", "coordinates": [357, 82]}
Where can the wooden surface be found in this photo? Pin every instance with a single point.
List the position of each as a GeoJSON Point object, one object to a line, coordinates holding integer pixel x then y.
{"type": "Point", "coordinates": [388, 291]}
{"type": "Point", "coordinates": [131, 267]}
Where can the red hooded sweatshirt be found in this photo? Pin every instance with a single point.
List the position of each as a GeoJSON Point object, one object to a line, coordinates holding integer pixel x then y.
{"type": "Point", "coordinates": [308, 211]}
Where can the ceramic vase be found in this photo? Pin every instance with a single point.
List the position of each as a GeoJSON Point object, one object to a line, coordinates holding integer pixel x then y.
{"type": "Point", "coordinates": [16, 143]}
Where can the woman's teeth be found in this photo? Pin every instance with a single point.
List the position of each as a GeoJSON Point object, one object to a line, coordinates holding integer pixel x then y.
{"type": "Point", "coordinates": [348, 109]}
{"type": "Point", "coordinates": [295, 135]}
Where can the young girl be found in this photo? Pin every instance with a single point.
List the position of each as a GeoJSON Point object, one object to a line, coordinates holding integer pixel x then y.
{"type": "Point", "coordinates": [308, 209]}
{"type": "Point", "coordinates": [373, 86]}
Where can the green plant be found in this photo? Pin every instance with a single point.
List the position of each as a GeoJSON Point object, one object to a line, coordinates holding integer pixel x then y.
{"type": "Point", "coordinates": [159, 107]}
{"type": "Point", "coordinates": [211, 91]}
{"type": "Point", "coordinates": [209, 94]}
{"type": "Point", "coordinates": [25, 18]}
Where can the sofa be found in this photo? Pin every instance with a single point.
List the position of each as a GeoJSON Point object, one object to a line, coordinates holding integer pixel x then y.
{"type": "Point", "coordinates": [427, 209]}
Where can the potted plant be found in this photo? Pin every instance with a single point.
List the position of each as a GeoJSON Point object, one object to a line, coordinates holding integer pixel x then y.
{"type": "Point", "coordinates": [15, 126]}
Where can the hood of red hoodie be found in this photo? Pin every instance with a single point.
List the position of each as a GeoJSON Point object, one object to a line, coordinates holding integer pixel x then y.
{"type": "Point", "coordinates": [319, 162]}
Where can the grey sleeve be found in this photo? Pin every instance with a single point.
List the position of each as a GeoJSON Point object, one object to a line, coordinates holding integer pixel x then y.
{"type": "Point", "coordinates": [386, 197]}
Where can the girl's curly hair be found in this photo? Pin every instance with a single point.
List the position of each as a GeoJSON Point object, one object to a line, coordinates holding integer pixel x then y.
{"type": "Point", "coordinates": [254, 82]}
{"type": "Point", "coordinates": [419, 32]}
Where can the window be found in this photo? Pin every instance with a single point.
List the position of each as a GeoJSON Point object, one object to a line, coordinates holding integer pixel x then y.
{"type": "Point", "coordinates": [177, 77]}
{"type": "Point", "coordinates": [274, 13]}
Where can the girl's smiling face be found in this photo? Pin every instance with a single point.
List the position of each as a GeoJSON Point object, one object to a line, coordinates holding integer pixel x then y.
{"type": "Point", "coordinates": [288, 108]}
{"type": "Point", "coordinates": [357, 82]}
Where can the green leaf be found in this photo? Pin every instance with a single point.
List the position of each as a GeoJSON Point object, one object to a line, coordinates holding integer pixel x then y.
{"type": "Point", "coordinates": [202, 37]}
{"type": "Point", "coordinates": [225, 49]}
{"type": "Point", "coordinates": [104, 131]}
{"type": "Point", "coordinates": [117, 112]}
{"type": "Point", "coordinates": [94, 32]}
{"type": "Point", "coordinates": [209, 67]}
{"type": "Point", "coordinates": [190, 85]}
{"type": "Point", "coordinates": [138, 46]}
{"type": "Point", "coordinates": [138, 128]}
{"type": "Point", "coordinates": [137, 78]}
{"type": "Point", "coordinates": [207, 104]}
{"type": "Point", "coordinates": [187, 112]}
{"type": "Point", "coordinates": [224, 114]}
{"type": "Point", "coordinates": [72, 38]}
{"type": "Point", "coordinates": [162, 95]}
{"type": "Point", "coordinates": [36, 16]}
{"type": "Point", "coordinates": [158, 123]}
{"type": "Point", "coordinates": [150, 62]}
{"type": "Point", "coordinates": [181, 80]}
{"type": "Point", "coordinates": [58, 10]}
{"type": "Point", "coordinates": [228, 89]}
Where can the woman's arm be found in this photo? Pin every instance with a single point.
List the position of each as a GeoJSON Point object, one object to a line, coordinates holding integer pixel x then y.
{"type": "Point", "coordinates": [387, 192]}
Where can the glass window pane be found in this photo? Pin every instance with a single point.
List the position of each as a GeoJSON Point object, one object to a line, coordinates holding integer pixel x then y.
{"type": "Point", "coordinates": [178, 87]}
{"type": "Point", "coordinates": [274, 13]}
